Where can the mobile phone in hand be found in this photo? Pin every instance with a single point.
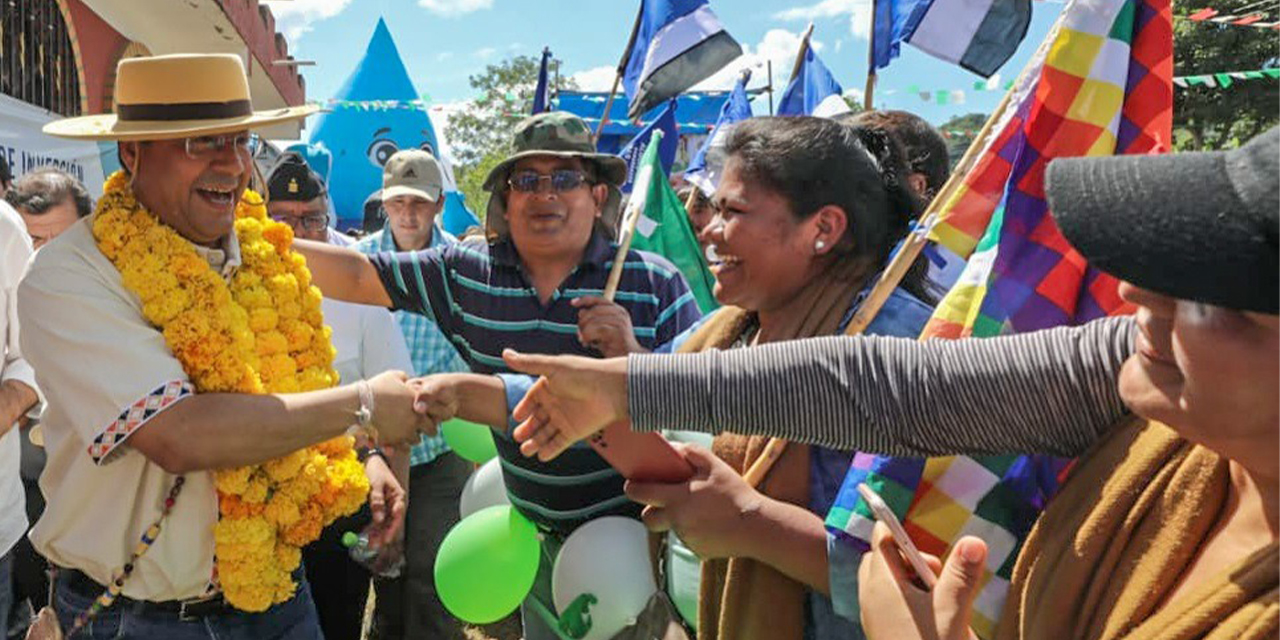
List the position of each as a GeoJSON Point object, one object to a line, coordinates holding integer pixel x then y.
{"type": "Point", "coordinates": [884, 514]}
{"type": "Point", "coordinates": [644, 457]}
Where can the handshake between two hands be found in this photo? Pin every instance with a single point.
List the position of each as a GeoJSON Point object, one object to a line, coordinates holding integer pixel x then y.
{"type": "Point", "coordinates": [573, 398]}
{"type": "Point", "coordinates": [404, 408]}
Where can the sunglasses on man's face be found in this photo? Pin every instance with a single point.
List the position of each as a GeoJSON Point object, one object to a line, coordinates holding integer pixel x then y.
{"type": "Point", "coordinates": [561, 180]}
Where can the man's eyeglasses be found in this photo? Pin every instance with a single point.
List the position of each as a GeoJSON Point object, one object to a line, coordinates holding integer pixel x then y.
{"type": "Point", "coordinates": [206, 146]}
{"type": "Point", "coordinates": [313, 222]}
{"type": "Point", "coordinates": [561, 180]}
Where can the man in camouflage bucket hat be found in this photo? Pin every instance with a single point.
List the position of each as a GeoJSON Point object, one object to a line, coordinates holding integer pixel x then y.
{"type": "Point", "coordinates": [533, 285]}
{"type": "Point", "coordinates": [557, 134]}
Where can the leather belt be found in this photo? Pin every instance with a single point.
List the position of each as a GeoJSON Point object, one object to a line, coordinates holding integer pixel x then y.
{"type": "Point", "coordinates": [193, 609]}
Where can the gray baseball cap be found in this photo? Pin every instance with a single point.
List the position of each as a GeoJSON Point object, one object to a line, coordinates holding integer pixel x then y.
{"type": "Point", "coordinates": [412, 172]}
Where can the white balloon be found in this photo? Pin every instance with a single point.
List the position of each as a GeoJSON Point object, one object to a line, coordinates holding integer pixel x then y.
{"type": "Point", "coordinates": [483, 489]}
{"type": "Point", "coordinates": [609, 559]}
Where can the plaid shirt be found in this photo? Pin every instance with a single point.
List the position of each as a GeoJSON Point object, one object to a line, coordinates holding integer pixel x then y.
{"type": "Point", "coordinates": [429, 348]}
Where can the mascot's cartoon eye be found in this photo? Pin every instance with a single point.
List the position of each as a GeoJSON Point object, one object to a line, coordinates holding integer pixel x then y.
{"type": "Point", "coordinates": [426, 146]}
{"type": "Point", "coordinates": [380, 151]}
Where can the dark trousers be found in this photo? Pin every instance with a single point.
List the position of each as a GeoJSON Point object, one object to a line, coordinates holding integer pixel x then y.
{"type": "Point", "coordinates": [339, 585]}
{"type": "Point", "coordinates": [292, 620]}
{"type": "Point", "coordinates": [408, 607]}
{"type": "Point", "coordinates": [30, 570]}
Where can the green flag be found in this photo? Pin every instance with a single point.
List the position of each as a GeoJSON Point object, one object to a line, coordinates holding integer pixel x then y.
{"type": "Point", "coordinates": [663, 226]}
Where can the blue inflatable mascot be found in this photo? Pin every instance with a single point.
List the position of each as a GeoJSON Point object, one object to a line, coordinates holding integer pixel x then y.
{"type": "Point", "coordinates": [362, 137]}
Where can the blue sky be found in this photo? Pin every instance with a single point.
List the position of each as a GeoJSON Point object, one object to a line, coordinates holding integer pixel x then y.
{"type": "Point", "coordinates": [444, 41]}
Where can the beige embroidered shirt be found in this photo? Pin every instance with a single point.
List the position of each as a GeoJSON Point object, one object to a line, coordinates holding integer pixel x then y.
{"type": "Point", "coordinates": [108, 371]}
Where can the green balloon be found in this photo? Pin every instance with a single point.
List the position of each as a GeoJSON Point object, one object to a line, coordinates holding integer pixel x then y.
{"type": "Point", "coordinates": [469, 440]}
{"type": "Point", "coordinates": [486, 565]}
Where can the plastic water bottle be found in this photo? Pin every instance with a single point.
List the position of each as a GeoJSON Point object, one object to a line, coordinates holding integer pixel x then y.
{"type": "Point", "coordinates": [385, 562]}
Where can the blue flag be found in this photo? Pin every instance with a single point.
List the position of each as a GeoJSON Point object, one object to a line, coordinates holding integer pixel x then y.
{"type": "Point", "coordinates": [540, 93]}
{"type": "Point", "coordinates": [634, 151]}
{"type": "Point", "coordinates": [676, 44]}
{"type": "Point", "coordinates": [979, 36]}
{"type": "Point", "coordinates": [813, 91]}
{"type": "Point", "coordinates": [705, 167]}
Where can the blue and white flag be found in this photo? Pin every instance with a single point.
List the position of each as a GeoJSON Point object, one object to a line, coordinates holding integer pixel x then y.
{"type": "Point", "coordinates": [634, 151]}
{"type": "Point", "coordinates": [676, 44]}
{"type": "Point", "coordinates": [706, 166]}
{"type": "Point", "coordinates": [979, 35]}
{"type": "Point", "coordinates": [813, 91]}
{"type": "Point", "coordinates": [540, 93]}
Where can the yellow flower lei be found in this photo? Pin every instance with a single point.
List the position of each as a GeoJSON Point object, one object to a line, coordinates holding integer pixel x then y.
{"type": "Point", "coordinates": [262, 334]}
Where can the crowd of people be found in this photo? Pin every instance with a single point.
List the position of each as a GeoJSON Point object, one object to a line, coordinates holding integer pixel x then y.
{"type": "Point", "coordinates": [167, 335]}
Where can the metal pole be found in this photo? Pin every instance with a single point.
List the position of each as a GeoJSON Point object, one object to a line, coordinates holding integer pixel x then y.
{"type": "Point", "coordinates": [769, 66]}
{"type": "Point", "coordinates": [871, 61]}
{"type": "Point", "coordinates": [617, 78]}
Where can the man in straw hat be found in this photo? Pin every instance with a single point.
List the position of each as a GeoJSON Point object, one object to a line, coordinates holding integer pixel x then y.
{"type": "Point", "coordinates": [132, 438]}
{"type": "Point", "coordinates": [537, 282]}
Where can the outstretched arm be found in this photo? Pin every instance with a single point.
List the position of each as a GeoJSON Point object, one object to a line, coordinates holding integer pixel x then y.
{"type": "Point", "coordinates": [1049, 391]}
{"type": "Point", "coordinates": [343, 274]}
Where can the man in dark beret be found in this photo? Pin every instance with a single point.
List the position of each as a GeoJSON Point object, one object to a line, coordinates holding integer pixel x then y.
{"type": "Point", "coordinates": [298, 197]}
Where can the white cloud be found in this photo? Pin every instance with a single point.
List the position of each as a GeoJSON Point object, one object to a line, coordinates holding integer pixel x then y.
{"type": "Point", "coordinates": [485, 53]}
{"type": "Point", "coordinates": [295, 17]}
{"type": "Point", "coordinates": [597, 79]}
{"type": "Point", "coordinates": [443, 55]}
{"type": "Point", "coordinates": [454, 8]}
{"type": "Point", "coordinates": [859, 12]}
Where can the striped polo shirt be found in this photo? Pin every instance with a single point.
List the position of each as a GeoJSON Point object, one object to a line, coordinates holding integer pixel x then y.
{"type": "Point", "coordinates": [483, 301]}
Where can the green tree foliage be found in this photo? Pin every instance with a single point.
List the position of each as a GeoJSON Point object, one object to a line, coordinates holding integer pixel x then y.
{"type": "Point", "coordinates": [959, 132]}
{"type": "Point", "coordinates": [1206, 118]}
{"type": "Point", "coordinates": [480, 135]}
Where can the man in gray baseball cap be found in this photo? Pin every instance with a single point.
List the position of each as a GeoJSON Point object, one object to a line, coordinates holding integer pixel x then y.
{"type": "Point", "coordinates": [407, 606]}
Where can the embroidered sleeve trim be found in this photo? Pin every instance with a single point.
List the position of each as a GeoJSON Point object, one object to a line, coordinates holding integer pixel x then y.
{"type": "Point", "coordinates": [105, 446]}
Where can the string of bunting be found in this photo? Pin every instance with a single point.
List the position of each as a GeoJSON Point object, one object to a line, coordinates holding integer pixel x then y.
{"type": "Point", "coordinates": [953, 96]}
{"type": "Point", "coordinates": [1220, 80]}
{"type": "Point", "coordinates": [1224, 79]}
{"type": "Point", "coordinates": [1212, 16]}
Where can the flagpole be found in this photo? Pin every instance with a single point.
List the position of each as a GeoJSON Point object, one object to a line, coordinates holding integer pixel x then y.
{"type": "Point", "coordinates": [769, 66]}
{"type": "Point", "coordinates": [871, 60]}
{"type": "Point", "coordinates": [635, 209]}
{"type": "Point", "coordinates": [617, 78]}
{"type": "Point", "coordinates": [693, 195]}
{"type": "Point", "coordinates": [804, 48]}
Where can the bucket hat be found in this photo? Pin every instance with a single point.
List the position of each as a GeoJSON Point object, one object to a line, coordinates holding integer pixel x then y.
{"type": "Point", "coordinates": [560, 134]}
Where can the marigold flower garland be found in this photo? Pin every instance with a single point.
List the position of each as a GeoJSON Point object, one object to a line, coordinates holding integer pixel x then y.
{"type": "Point", "coordinates": [262, 334]}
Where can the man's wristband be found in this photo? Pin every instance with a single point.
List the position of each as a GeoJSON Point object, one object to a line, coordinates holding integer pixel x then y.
{"type": "Point", "coordinates": [364, 453]}
{"type": "Point", "coordinates": [364, 415]}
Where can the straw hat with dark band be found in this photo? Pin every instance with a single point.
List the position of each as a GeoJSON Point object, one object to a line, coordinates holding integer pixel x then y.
{"type": "Point", "coordinates": [176, 96]}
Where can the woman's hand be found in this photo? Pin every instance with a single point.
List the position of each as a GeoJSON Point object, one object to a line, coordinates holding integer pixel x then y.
{"type": "Point", "coordinates": [575, 398]}
{"type": "Point", "coordinates": [894, 607]}
{"type": "Point", "coordinates": [713, 512]}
